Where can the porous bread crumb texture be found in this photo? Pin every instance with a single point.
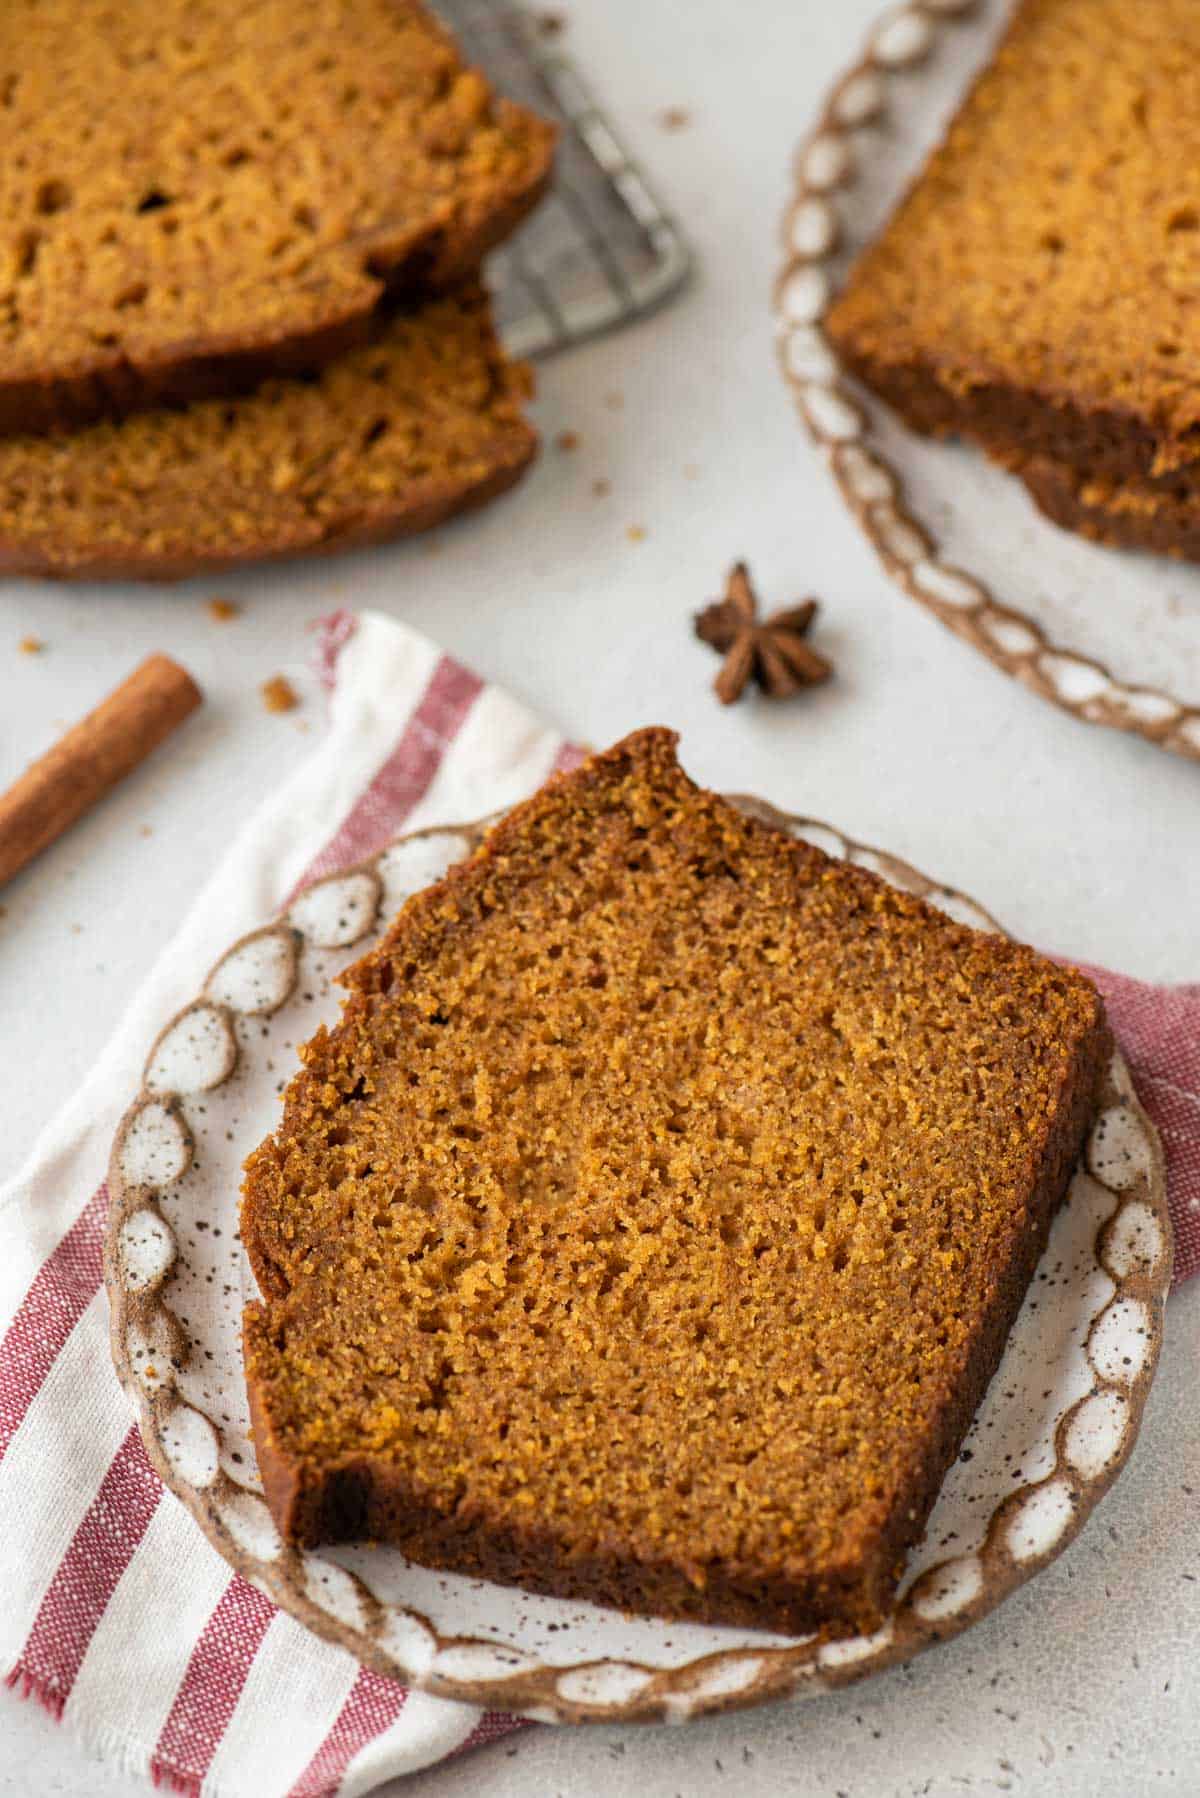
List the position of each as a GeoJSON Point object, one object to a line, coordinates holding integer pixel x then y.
{"type": "Point", "coordinates": [1160, 516]}
{"type": "Point", "coordinates": [195, 192]}
{"type": "Point", "coordinates": [650, 1224]}
{"type": "Point", "coordinates": [391, 438]}
{"type": "Point", "coordinates": [1036, 289]}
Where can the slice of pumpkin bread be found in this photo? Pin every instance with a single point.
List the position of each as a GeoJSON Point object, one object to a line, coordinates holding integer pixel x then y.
{"type": "Point", "coordinates": [1161, 517]}
{"type": "Point", "coordinates": [1036, 289]}
{"type": "Point", "coordinates": [390, 439]}
{"type": "Point", "coordinates": [650, 1225]}
{"type": "Point", "coordinates": [196, 194]}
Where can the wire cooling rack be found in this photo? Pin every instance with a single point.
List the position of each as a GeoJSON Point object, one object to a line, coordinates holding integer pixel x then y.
{"type": "Point", "coordinates": [600, 250]}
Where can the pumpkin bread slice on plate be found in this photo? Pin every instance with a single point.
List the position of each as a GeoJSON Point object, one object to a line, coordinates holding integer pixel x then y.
{"type": "Point", "coordinates": [1035, 289]}
{"type": "Point", "coordinates": [197, 194]}
{"type": "Point", "coordinates": [650, 1225]}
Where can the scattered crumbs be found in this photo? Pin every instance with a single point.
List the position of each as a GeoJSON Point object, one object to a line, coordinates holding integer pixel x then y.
{"type": "Point", "coordinates": [674, 118]}
{"type": "Point", "coordinates": [567, 441]}
{"type": "Point", "coordinates": [222, 610]}
{"type": "Point", "coordinates": [636, 533]}
{"type": "Point", "coordinates": [31, 646]}
{"type": "Point", "coordinates": [614, 401]}
{"type": "Point", "coordinates": [691, 471]}
{"type": "Point", "coordinates": [77, 930]}
{"type": "Point", "coordinates": [551, 24]}
{"type": "Point", "coordinates": [147, 830]}
{"type": "Point", "coordinates": [279, 695]}
{"type": "Point", "coordinates": [434, 546]}
{"type": "Point", "coordinates": [601, 488]}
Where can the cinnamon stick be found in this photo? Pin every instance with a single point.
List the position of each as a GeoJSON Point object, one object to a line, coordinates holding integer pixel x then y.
{"type": "Point", "coordinates": [94, 755]}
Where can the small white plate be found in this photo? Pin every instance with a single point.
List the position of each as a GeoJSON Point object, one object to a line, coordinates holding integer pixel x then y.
{"type": "Point", "coordinates": [1056, 1425]}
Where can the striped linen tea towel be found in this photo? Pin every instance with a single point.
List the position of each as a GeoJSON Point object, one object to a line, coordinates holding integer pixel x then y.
{"type": "Point", "coordinates": [117, 1614]}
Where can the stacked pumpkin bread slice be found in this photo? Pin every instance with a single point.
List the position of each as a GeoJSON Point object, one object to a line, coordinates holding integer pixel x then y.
{"type": "Point", "coordinates": [240, 308]}
{"type": "Point", "coordinates": [1035, 290]}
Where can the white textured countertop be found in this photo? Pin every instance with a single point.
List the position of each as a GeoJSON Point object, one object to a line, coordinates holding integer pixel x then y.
{"type": "Point", "coordinates": [1082, 840]}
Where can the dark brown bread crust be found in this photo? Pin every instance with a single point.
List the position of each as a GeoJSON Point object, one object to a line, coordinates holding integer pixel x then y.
{"type": "Point", "coordinates": [1009, 422]}
{"type": "Point", "coordinates": [356, 1496]}
{"type": "Point", "coordinates": [1163, 519]}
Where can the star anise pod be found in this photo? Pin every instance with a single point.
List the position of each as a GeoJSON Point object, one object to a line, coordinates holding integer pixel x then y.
{"type": "Point", "coordinates": [772, 651]}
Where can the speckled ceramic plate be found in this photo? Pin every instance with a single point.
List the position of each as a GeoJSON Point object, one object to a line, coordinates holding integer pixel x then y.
{"type": "Point", "coordinates": [1111, 637]}
{"type": "Point", "coordinates": [1055, 1427]}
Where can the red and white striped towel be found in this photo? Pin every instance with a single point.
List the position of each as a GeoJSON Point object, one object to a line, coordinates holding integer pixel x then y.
{"type": "Point", "coordinates": [117, 1613]}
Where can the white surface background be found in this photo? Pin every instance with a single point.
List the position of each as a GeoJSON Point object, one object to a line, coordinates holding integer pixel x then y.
{"type": "Point", "coordinates": [1082, 840]}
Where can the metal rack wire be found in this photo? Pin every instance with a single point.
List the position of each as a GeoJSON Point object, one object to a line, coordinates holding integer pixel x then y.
{"type": "Point", "coordinates": [601, 250]}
